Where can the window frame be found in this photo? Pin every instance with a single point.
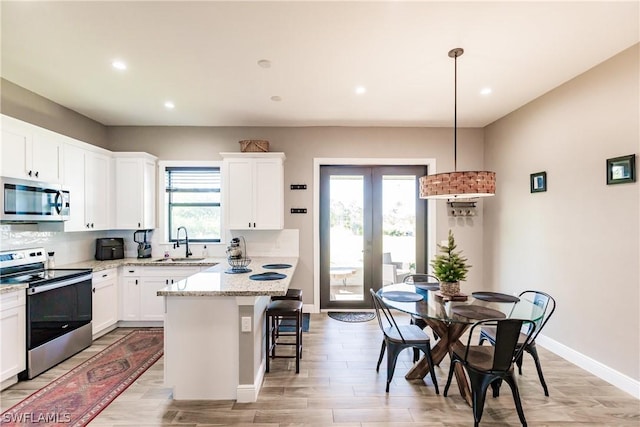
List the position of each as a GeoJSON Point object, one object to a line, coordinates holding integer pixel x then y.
{"type": "Point", "coordinates": [163, 217]}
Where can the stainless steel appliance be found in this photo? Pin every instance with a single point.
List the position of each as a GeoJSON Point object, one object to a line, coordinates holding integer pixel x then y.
{"type": "Point", "coordinates": [144, 247]}
{"type": "Point", "coordinates": [58, 307]}
{"type": "Point", "coordinates": [33, 201]}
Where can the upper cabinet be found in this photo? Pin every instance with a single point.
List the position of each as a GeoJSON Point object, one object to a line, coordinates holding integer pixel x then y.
{"type": "Point", "coordinates": [30, 152]}
{"type": "Point", "coordinates": [135, 191]}
{"type": "Point", "coordinates": [253, 191]}
{"type": "Point", "coordinates": [87, 174]}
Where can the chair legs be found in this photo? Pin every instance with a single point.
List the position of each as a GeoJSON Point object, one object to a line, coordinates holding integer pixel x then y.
{"type": "Point", "coordinates": [382, 348]}
{"type": "Point", "coordinates": [479, 386]}
{"type": "Point", "coordinates": [531, 349]}
{"type": "Point", "coordinates": [392, 357]}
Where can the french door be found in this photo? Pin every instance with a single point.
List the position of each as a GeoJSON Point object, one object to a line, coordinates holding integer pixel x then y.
{"type": "Point", "coordinates": [372, 231]}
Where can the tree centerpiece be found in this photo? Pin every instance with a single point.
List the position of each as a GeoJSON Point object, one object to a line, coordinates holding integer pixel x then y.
{"type": "Point", "coordinates": [450, 267]}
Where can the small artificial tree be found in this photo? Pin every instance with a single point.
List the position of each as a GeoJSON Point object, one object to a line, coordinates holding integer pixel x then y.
{"type": "Point", "coordinates": [450, 266]}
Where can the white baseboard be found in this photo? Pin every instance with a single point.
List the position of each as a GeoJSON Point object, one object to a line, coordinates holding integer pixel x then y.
{"type": "Point", "coordinates": [246, 393]}
{"type": "Point", "coordinates": [618, 379]}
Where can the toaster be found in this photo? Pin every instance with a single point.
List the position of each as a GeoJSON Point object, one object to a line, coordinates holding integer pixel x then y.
{"type": "Point", "coordinates": [109, 248]}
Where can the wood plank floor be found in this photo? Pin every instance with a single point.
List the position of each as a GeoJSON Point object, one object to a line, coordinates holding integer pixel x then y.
{"type": "Point", "coordinates": [338, 386]}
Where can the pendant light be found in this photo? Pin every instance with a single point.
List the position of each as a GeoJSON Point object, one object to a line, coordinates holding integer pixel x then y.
{"type": "Point", "coordinates": [457, 185]}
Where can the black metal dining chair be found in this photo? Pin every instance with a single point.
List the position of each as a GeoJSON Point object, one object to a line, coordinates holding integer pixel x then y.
{"type": "Point", "coordinates": [433, 284]}
{"type": "Point", "coordinates": [490, 365]}
{"type": "Point", "coordinates": [548, 305]}
{"type": "Point", "coordinates": [397, 338]}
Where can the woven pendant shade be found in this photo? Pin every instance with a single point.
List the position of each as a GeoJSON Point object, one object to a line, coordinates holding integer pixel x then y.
{"type": "Point", "coordinates": [452, 185]}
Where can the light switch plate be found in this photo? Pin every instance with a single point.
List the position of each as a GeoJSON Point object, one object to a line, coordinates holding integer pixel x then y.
{"type": "Point", "coordinates": [245, 325]}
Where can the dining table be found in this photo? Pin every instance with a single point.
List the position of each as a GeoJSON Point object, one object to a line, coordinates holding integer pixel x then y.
{"type": "Point", "coordinates": [450, 317]}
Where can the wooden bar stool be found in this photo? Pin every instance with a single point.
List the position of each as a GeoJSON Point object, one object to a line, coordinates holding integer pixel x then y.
{"type": "Point", "coordinates": [283, 309]}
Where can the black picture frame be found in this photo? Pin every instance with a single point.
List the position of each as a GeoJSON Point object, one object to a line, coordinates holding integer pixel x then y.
{"type": "Point", "coordinates": [621, 169]}
{"type": "Point", "coordinates": [538, 182]}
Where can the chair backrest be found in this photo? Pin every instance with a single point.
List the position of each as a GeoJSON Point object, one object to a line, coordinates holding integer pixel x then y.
{"type": "Point", "coordinates": [545, 302]}
{"type": "Point", "coordinates": [506, 349]}
{"type": "Point", "coordinates": [421, 278]}
{"type": "Point", "coordinates": [388, 321]}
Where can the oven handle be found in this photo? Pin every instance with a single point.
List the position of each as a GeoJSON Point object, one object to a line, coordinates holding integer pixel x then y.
{"type": "Point", "coordinates": [39, 289]}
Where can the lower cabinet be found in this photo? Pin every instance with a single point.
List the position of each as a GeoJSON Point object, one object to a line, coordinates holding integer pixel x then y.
{"type": "Point", "coordinates": [105, 301]}
{"type": "Point", "coordinates": [140, 285]}
{"type": "Point", "coordinates": [13, 335]}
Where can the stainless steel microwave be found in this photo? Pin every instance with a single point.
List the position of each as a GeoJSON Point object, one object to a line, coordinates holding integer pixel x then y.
{"type": "Point", "coordinates": [33, 201]}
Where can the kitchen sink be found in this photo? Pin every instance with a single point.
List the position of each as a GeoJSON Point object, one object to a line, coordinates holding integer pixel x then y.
{"type": "Point", "coordinates": [179, 259]}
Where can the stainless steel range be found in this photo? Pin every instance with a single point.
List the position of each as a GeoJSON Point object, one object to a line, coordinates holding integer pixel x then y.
{"type": "Point", "coordinates": [58, 307]}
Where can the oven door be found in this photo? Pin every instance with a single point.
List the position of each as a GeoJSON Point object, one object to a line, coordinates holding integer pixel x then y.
{"type": "Point", "coordinates": [56, 309]}
{"type": "Point", "coordinates": [33, 201]}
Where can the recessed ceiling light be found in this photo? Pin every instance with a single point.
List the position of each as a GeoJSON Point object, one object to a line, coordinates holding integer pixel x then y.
{"type": "Point", "coordinates": [119, 65]}
{"type": "Point", "coordinates": [361, 90]}
{"type": "Point", "coordinates": [276, 98]}
{"type": "Point", "coordinates": [264, 63]}
{"type": "Point", "coordinates": [486, 91]}
{"type": "Point", "coordinates": [169, 105]}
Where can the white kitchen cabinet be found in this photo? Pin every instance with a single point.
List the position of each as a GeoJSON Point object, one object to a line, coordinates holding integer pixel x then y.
{"type": "Point", "coordinates": [87, 174]}
{"type": "Point", "coordinates": [12, 335]}
{"type": "Point", "coordinates": [105, 301]}
{"type": "Point", "coordinates": [135, 191]}
{"type": "Point", "coordinates": [140, 285]}
{"type": "Point", "coordinates": [30, 152]}
{"type": "Point", "coordinates": [253, 190]}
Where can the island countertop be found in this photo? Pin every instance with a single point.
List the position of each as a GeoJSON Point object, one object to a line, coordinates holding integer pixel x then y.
{"type": "Point", "coordinates": [215, 282]}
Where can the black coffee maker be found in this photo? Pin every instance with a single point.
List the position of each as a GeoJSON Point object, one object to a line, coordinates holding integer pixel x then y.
{"type": "Point", "coordinates": [144, 246]}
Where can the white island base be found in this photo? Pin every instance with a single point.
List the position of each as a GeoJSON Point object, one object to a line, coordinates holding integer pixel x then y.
{"type": "Point", "coordinates": [207, 354]}
{"type": "Point", "coordinates": [207, 357]}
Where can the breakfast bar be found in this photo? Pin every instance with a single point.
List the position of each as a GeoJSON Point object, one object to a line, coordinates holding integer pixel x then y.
{"type": "Point", "coordinates": [214, 330]}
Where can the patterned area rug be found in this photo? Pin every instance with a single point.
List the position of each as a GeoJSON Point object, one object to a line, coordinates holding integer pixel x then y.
{"type": "Point", "coordinates": [78, 396]}
{"type": "Point", "coordinates": [352, 316]}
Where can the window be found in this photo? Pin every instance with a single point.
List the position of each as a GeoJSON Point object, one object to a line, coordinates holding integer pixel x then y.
{"type": "Point", "coordinates": [192, 200]}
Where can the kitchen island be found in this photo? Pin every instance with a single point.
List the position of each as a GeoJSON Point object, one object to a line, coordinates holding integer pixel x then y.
{"type": "Point", "coordinates": [215, 329]}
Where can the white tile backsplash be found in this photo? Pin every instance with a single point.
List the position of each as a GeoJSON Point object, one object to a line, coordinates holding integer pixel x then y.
{"type": "Point", "coordinates": [80, 246]}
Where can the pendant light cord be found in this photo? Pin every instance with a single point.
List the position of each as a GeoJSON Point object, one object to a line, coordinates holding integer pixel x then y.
{"type": "Point", "coordinates": [455, 113]}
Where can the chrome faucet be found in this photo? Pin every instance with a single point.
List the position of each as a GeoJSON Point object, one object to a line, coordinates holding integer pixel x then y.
{"type": "Point", "coordinates": [186, 241]}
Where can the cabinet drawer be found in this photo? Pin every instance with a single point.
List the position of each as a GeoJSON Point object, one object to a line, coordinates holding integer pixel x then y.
{"type": "Point", "coordinates": [131, 271]}
{"type": "Point", "coordinates": [170, 271]}
{"type": "Point", "coordinates": [13, 299]}
{"type": "Point", "coordinates": [105, 275]}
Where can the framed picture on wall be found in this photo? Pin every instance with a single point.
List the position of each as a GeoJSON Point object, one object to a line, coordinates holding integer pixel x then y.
{"type": "Point", "coordinates": [621, 169]}
{"type": "Point", "coordinates": [538, 182]}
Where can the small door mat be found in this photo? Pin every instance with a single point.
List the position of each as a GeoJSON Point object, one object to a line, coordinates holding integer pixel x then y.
{"type": "Point", "coordinates": [352, 316]}
{"type": "Point", "coordinates": [402, 296]}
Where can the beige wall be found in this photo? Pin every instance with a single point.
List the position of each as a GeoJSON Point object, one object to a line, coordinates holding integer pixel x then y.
{"type": "Point", "coordinates": [301, 146]}
{"type": "Point", "coordinates": [17, 102]}
{"type": "Point", "coordinates": [579, 240]}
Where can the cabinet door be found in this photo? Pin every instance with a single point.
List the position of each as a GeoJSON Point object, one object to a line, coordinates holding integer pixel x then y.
{"type": "Point", "coordinates": [239, 194]}
{"type": "Point", "coordinates": [149, 195]}
{"type": "Point", "coordinates": [129, 193]}
{"type": "Point", "coordinates": [97, 191]}
{"type": "Point", "coordinates": [12, 335]}
{"type": "Point", "coordinates": [130, 301]}
{"type": "Point", "coordinates": [268, 194]}
{"type": "Point", "coordinates": [152, 305]}
{"type": "Point", "coordinates": [105, 297]}
{"type": "Point", "coordinates": [16, 150]}
{"type": "Point", "coordinates": [47, 156]}
{"type": "Point", "coordinates": [73, 178]}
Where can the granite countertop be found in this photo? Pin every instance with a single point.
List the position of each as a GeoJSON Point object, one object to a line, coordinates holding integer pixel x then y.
{"type": "Point", "coordinates": [215, 282]}
{"type": "Point", "coordinates": [147, 262]}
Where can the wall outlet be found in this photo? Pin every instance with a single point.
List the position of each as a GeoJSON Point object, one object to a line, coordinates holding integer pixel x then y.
{"type": "Point", "coordinates": [245, 324]}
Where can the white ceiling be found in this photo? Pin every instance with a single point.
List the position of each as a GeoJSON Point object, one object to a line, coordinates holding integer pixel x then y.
{"type": "Point", "coordinates": [203, 56]}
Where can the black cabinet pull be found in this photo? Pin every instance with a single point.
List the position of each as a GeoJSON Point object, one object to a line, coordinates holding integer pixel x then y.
{"type": "Point", "coordinates": [94, 290]}
{"type": "Point", "coordinates": [29, 173]}
{"type": "Point", "coordinates": [37, 173]}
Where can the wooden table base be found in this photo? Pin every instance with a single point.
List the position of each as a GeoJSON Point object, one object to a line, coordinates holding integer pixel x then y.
{"type": "Point", "coordinates": [449, 334]}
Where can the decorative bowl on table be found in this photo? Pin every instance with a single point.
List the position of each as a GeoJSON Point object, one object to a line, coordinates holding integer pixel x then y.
{"type": "Point", "coordinates": [238, 265]}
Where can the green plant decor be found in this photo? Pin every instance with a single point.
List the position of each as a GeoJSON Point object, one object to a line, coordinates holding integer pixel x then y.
{"type": "Point", "coordinates": [449, 265]}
